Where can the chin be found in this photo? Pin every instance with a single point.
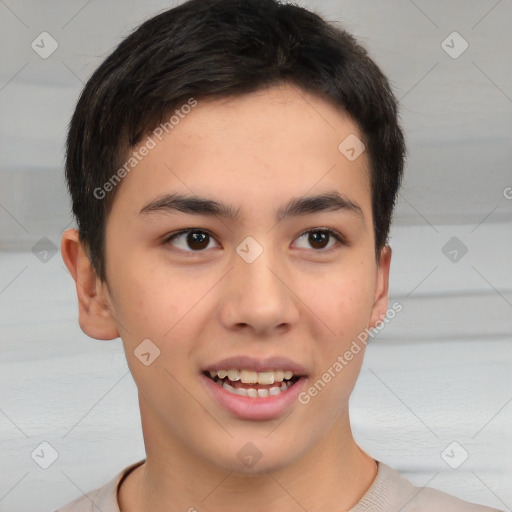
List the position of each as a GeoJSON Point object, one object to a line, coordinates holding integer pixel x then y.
{"type": "Point", "coordinates": [260, 468]}
{"type": "Point", "coordinates": [255, 456]}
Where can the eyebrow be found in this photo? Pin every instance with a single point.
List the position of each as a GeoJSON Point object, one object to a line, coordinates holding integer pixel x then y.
{"type": "Point", "coordinates": [195, 205]}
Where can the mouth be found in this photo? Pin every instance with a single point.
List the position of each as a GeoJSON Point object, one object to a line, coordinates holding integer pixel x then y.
{"type": "Point", "coordinates": [253, 384]}
{"type": "Point", "coordinates": [254, 389]}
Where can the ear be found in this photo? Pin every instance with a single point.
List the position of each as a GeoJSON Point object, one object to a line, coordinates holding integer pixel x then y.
{"type": "Point", "coordinates": [380, 304]}
{"type": "Point", "coordinates": [94, 311]}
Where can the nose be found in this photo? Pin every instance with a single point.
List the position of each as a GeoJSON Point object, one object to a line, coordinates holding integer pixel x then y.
{"type": "Point", "coordinates": [259, 295]}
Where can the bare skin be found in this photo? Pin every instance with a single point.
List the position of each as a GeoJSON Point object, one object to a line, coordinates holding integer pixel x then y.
{"type": "Point", "coordinates": [297, 299]}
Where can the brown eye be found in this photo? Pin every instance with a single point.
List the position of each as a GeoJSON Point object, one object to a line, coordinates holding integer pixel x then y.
{"type": "Point", "coordinates": [319, 239]}
{"type": "Point", "coordinates": [191, 240]}
{"type": "Point", "coordinates": [197, 240]}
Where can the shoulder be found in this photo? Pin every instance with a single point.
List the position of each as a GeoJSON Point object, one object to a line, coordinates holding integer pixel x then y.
{"type": "Point", "coordinates": [432, 500]}
{"type": "Point", "coordinates": [104, 498]}
{"type": "Point", "coordinates": [391, 492]}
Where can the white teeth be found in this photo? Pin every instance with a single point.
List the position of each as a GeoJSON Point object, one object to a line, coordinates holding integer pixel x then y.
{"type": "Point", "coordinates": [255, 393]}
{"type": "Point", "coordinates": [281, 379]}
{"type": "Point", "coordinates": [252, 377]}
{"type": "Point", "coordinates": [248, 376]}
{"type": "Point", "coordinates": [265, 377]}
{"type": "Point", "coordinates": [233, 375]}
{"type": "Point", "coordinates": [278, 375]}
{"type": "Point", "coordinates": [225, 385]}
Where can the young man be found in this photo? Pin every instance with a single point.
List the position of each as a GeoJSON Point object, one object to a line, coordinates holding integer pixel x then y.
{"type": "Point", "coordinates": [233, 167]}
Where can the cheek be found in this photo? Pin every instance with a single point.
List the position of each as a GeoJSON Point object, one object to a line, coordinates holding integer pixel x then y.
{"type": "Point", "coordinates": [143, 310]}
{"type": "Point", "coordinates": [148, 303]}
{"type": "Point", "coordinates": [154, 317]}
{"type": "Point", "coordinates": [160, 308]}
{"type": "Point", "coordinates": [342, 310]}
{"type": "Point", "coordinates": [341, 302]}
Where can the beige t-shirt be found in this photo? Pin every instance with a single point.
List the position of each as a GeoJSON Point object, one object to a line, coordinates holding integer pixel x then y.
{"type": "Point", "coordinates": [390, 492]}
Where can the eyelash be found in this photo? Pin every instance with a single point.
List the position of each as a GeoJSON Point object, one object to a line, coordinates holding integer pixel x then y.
{"type": "Point", "coordinates": [331, 232]}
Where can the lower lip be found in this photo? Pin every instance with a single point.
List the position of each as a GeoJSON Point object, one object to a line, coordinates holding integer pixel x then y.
{"type": "Point", "coordinates": [259, 408]}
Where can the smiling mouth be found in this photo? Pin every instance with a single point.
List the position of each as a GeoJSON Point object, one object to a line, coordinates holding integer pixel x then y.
{"type": "Point", "coordinates": [253, 384]}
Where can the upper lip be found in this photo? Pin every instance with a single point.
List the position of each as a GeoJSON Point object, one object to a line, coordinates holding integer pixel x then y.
{"type": "Point", "coordinates": [258, 365]}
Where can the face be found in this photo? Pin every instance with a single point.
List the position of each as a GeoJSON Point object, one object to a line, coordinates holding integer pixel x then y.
{"type": "Point", "coordinates": [245, 283]}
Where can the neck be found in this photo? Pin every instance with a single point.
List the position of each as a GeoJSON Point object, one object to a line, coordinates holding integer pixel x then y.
{"type": "Point", "coordinates": [334, 475]}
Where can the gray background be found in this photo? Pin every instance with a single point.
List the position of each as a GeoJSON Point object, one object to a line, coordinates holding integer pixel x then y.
{"type": "Point", "coordinates": [438, 374]}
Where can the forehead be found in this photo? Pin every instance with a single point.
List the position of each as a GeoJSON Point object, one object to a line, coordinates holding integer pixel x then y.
{"type": "Point", "coordinates": [275, 141]}
{"type": "Point", "coordinates": [292, 122]}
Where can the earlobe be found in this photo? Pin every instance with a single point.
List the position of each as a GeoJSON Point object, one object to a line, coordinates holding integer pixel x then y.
{"type": "Point", "coordinates": [94, 312]}
{"type": "Point", "coordinates": [380, 304]}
